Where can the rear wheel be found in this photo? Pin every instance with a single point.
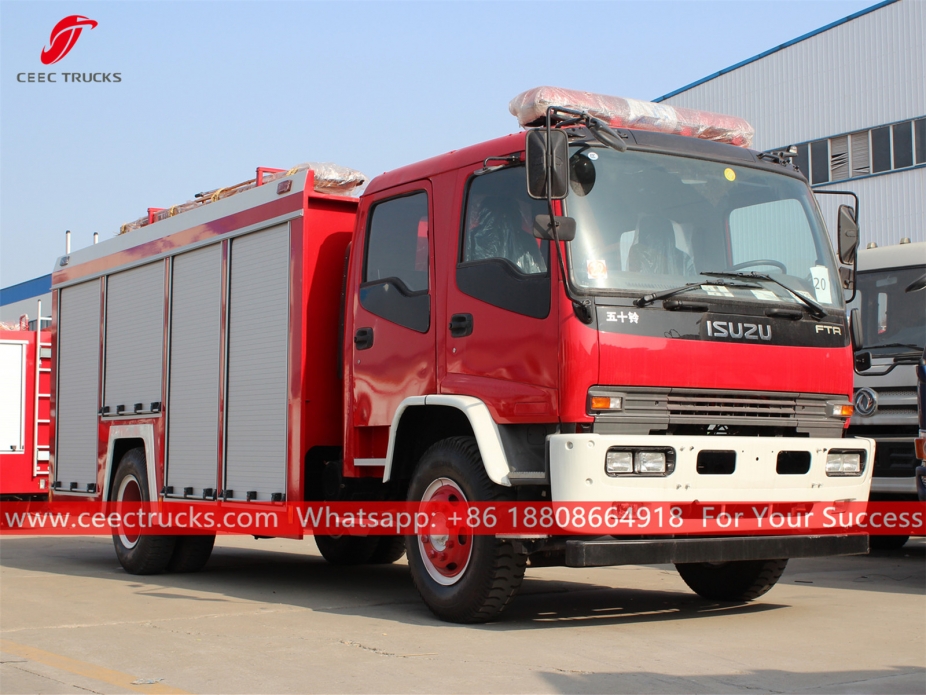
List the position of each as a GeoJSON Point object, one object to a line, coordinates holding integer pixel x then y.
{"type": "Point", "coordinates": [732, 581]}
{"type": "Point", "coordinates": [137, 553]}
{"type": "Point", "coordinates": [347, 550]}
{"type": "Point", "coordinates": [887, 542]}
{"type": "Point", "coordinates": [389, 549]}
{"type": "Point", "coordinates": [191, 553]}
{"type": "Point", "coordinates": [462, 577]}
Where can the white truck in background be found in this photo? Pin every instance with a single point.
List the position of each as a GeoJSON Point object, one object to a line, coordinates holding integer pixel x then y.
{"type": "Point", "coordinates": [893, 323]}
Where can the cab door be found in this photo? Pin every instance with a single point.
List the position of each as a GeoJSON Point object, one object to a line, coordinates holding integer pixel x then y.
{"type": "Point", "coordinates": [500, 320]}
{"type": "Point", "coordinates": [391, 331]}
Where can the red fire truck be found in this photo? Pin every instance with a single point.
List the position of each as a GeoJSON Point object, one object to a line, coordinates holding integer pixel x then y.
{"type": "Point", "coordinates": [25, 377]}
{"type": "Point", "coordinates": [621, 303]}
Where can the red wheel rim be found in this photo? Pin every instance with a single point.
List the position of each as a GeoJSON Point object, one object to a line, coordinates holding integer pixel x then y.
{"type": "Point", "coordinates": [447, 546]}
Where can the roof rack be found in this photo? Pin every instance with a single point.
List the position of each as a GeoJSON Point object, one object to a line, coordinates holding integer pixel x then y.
{"type": "Point", "coordinates": [530, 108]}
{"type": "Point", "coordinates": [331, 179]}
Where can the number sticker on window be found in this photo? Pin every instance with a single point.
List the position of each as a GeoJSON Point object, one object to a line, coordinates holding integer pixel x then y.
{"type": "Point", "coordinates": [821, 284]}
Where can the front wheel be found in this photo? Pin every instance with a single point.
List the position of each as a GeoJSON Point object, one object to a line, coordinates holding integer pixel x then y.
{"type": "Point", "coordinates": [462, 577]}
{"type": "Point", "coordinates": [743, 580]}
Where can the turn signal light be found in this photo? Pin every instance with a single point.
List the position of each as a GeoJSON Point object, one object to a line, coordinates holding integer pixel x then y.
{"type": "Point", "coordinates": [606, 403]}
{"type": "Point", "coordinates": [841, 410]}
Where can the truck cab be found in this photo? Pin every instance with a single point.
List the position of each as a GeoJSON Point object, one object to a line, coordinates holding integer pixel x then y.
{"type": "Point", "coordinates": [893, 323]}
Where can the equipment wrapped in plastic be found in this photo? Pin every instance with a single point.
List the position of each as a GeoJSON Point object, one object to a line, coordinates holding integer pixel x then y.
{"type": "Point", "coordinates": [330, 179]}
{"type": "Point", "coordinates": [530, 108]}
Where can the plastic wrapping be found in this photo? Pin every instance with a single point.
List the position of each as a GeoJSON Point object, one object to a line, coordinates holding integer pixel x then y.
{"type": "Point", "coordinates": [330, 179]}
{"type": "Point", "coordinates": [530, 108]}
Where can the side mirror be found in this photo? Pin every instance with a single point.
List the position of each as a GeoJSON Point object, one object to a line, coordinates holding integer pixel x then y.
{"type": "Point", "coordinates": [862, 359]}
{"type": "Point", "coordinates": [565, 228]}
{"type": "Point", "coordinates": [862, 362]}
{"type": "Point", "coordinates": [847, 231]}
{"type": "Point", "coordinates": [537, 152]}
{"type": "Point", "coordinates": [855, 330]}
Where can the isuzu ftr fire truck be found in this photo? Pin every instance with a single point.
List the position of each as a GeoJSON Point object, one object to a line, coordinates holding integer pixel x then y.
{"type": "Point", "coordinates": [621, 303]}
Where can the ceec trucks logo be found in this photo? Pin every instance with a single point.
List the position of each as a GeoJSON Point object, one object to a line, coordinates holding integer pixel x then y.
{"type": "Point", "coordinates": [64, 36]}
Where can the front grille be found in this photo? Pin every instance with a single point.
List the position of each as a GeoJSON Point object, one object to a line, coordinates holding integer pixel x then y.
{"type": "Point", "coordinates": [895, 459]}
{"type": "Point", "coordinates": [662, 408]}
{"type": "Point", "coordinates": [700, 406]}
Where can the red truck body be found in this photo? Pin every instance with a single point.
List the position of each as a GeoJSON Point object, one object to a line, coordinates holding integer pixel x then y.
{"type": "Point", "coordinates": [284, 344]}
{"type": "Point", "coordinates": [26, 365]}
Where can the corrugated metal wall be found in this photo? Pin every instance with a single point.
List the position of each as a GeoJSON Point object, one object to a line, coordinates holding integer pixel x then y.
{"type": "Point", "coordinates": [891, 207]}
{"type": "Point", "coordinates": [863, 73]}
{"type": "Point", "coordinates": [867, 72]}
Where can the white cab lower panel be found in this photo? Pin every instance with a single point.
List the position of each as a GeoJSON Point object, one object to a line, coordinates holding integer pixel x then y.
{"type": "Point", "coordinates": [577, 470]}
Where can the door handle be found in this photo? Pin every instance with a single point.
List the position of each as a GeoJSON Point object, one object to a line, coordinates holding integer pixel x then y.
{"type": "Point", "coordinates": [461, 325]}
{"type": "Point", "coordinates": [363, 338]}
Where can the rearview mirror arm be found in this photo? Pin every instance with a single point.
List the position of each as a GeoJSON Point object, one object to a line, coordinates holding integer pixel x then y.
{"type": "Point", "coordinates": [581, 306]}
{"type": "Point", "coordinates": [855, 258]}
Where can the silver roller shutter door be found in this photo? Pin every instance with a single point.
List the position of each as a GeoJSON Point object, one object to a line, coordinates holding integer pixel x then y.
{"type": "Point", "coordinates": [193, 408]}
{"type": "Point", "coordinates": [78, 385]}
{"type": "Point", "coordinates": [257, 364]}
{"type": "Point", "coordinates": [134, 337]}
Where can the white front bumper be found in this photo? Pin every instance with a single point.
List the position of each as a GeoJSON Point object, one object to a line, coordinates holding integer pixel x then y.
{"type": "Point", "coordinates": [577, 472]}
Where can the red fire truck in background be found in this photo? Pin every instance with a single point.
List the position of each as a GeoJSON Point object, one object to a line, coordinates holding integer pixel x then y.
{"type": "Point", "coordinates": [623, 303]}
{"type": "Point", "coordinates": [25, 382]}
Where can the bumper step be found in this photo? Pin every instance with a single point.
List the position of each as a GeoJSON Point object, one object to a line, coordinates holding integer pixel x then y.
{"type": "Point", "coordinates": [602, 553]}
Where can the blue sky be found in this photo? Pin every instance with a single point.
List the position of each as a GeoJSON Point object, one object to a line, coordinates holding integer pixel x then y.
{"type": "Point", "coordinates": [211, 90]}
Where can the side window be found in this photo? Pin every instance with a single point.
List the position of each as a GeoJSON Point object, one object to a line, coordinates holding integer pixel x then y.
{"type": "Point", "coordinates": [501, 262]}
{"type": "Point", "coordinates": [395, 267]}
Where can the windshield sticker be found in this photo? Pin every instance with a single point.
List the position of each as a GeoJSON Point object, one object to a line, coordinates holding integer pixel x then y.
{"type": "Point", "coordinates": [592, 155]}
{"type": "Point", "coordinates": [821, 284]}
{"type": "Point", "coordinates": [717, 290]}
{"type": "Point", "coordinates": [766, 295]}
{"type": "Point", "coordinates": [729, 174]}
{"type": "Point", "coordinates": [597, 270]}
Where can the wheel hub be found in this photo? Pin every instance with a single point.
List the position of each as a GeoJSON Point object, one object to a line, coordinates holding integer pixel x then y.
{"type": "Point", "coordinates": [447, 546]}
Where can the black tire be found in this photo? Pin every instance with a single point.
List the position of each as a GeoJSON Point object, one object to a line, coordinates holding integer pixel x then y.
{"type": "Point", "coordinates": [887, 542]}
{"type": "Point", "coordinates": [743, 580]}
{"type": "Point", "coordinates": [389, 549]}
{"type": "Point", "coordinates": [191, 553]}
{"type": "Point", "coordinates": [138, 554]}
{"type": "Point", "coordinates": [478, 589]}
{"type": "Point", "coordinates": [347, 550]}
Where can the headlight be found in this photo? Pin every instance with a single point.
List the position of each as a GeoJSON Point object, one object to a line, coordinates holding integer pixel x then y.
{"type": "Point", "coordinates": [618, 462]}
{"type": "Point", "coordinates": [643, 461]}
{"type": "Point", "coordinates": [649, 462]}
{"type": "Point", "coordinates": [845, 463]}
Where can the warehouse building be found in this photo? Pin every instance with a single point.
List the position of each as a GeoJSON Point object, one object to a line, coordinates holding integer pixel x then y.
{"type": "Point", "coordinates": [851, 97]}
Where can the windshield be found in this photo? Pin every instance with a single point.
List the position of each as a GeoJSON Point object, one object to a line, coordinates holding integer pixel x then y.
{"type": "Point", "coordinates": [891, 317]}
{"type": "Point", "coordinates": [649, 222]}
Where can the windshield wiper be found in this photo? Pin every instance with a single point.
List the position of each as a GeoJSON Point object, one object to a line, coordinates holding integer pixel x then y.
{"type": "Point", "coordinates": [650, 298]}
{"type": "Point", "coordinates": [816, 310]}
